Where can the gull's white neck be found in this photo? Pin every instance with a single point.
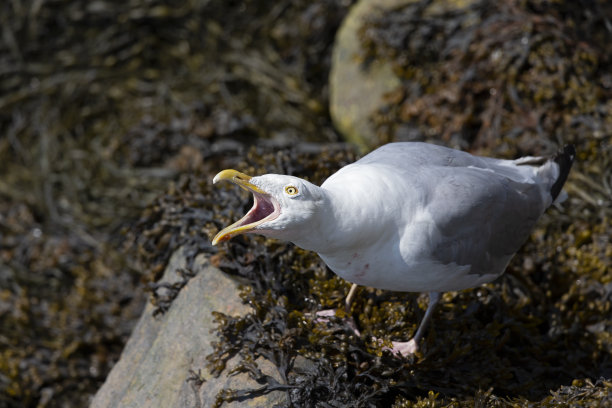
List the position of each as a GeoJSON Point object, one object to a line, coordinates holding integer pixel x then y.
{"type": "Point", "coordinates": [348, 218]}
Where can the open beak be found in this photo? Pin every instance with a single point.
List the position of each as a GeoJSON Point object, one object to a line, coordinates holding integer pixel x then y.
{"type": "Point", "coordinates": [265, 207]}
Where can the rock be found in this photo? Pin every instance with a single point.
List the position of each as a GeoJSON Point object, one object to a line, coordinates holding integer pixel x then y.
{"type": "Point", "coordinates": [157, 359]}
{"type": "Point", "coordinates": [357, 92]}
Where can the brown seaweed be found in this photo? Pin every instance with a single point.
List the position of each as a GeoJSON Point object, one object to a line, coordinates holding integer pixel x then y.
{"type": "Point", "coordinates": [105, 108]}
{"type": "Point", "coordinates": [116, 115]}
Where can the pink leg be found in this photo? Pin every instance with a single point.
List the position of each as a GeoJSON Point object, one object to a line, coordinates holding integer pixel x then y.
{"type": "Point", "coordinates": [398, 348]}
{"type": "Point", "coordinates": [347, 303]}
{"type": "Point", "coordinates": [324, 315]}
{"type": "Point", "coordinates": [412, 346]}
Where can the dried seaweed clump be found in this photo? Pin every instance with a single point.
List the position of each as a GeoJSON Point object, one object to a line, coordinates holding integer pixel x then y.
{"type": "Point", "coordinates": [102, 105]}
{"type": "Point", "coordinates": [507, 78]}
{"type": "Point", "coordinates": [520, 338]}
{"type": "Point", "coordinates": [64, 309]}
{"type": "Point", "coordinates": [527, 70]}
{"type": "Point", "coordinates": [543, 325]}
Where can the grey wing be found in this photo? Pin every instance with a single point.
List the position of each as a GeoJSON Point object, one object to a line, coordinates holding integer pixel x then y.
{"type": "Point", "coordinates": [407, 154]}
{"type": "Point", "coordinates": [414, 156]}
{"type": "Point", "coordinates": [481, 218]}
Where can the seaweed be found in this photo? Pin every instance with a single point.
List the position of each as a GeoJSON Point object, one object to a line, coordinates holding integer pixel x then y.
{"type": "Point", "coordinates": [518, 338]}
{"type": "Point", "coordinates": [506, 79]}
{"type": "Point", "coordinates": [535, 72]}
{"type": "Point", "coordinates": [116, 115]}
{"type": "Point", "coordinates": [506, 337]}
{"type": "Point", "coordinates": [107, 107]}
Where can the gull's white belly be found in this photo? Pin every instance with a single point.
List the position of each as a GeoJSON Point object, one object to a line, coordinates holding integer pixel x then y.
{"type": "Point", "coordinates": [387, 269]}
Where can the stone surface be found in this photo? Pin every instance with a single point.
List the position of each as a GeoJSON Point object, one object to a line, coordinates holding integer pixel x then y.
{"type": "Point", "coordinates": [155, 363]}
{"type": "Point", "coordinates": [356, 91]}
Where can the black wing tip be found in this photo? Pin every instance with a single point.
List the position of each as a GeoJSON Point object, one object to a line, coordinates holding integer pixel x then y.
{"type": "Point", "coordinates": [569, 150]}
{"type": "Point", "coordinates": [564, 158]}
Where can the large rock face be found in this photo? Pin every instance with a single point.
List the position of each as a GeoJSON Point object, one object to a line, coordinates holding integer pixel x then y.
{"type": "Point", "coordinates": [356, 91]}
{"type": "Point", "coordinates": [155, 364]}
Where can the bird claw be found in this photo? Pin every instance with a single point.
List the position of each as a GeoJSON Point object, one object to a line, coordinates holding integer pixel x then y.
{"type": "Point", "coordinates": [325, 315]}
{"type": "Point", "coordinates": [398, 348]}
{"type": "Point", "coordinates": [403, 348]}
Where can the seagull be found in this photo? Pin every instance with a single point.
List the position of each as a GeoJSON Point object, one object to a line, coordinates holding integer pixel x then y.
{"type": "Point", "coordinates": [410, 216]}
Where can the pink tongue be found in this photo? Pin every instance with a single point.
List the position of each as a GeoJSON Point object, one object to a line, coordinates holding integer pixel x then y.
{"type": "Point", "coordinates": [263, 208]}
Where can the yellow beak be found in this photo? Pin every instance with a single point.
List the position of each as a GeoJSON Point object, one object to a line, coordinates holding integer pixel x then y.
{"type": "Point", "coordinates": [239, 178]}
{"type": "Point", "coordinates": [253, 217]}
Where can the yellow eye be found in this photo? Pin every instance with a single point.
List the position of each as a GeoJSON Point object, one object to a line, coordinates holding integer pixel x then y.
{"type": "Point", "coordinates": [291, 190]}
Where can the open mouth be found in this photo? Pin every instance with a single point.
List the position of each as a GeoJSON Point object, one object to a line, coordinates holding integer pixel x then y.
{"type": "Point", "coordinates": [265, 207]}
